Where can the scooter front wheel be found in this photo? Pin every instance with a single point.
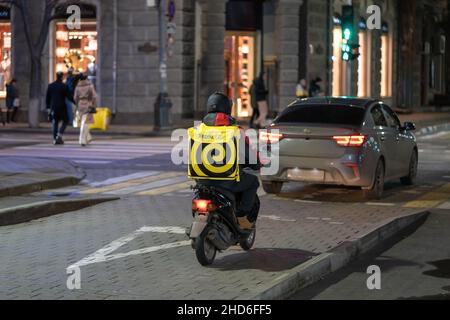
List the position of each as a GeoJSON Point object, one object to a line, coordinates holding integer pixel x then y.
{"type": "Point", "coordinates": [204, 249]}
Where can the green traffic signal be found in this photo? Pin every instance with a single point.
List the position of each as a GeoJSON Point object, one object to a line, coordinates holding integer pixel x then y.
{"type": "Point", "coordinates": [347, 34]}
{"type": "Point", "coordinates": [345, 56]}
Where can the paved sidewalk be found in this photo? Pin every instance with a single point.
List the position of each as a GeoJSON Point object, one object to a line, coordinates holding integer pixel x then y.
{"type": "Point", "coordinates": [19, 175]}
{"type": "Point", "coordinates": [424, 119]}
{"type": "Point", "coordinates": [421, 119]}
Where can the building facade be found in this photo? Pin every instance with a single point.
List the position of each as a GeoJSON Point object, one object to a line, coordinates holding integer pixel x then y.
{"type": "Point", "coordinates": [220, 45]}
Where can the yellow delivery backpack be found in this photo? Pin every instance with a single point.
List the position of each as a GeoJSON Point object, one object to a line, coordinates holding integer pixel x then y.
{"type": "Point", "coordinates": [213, 152]}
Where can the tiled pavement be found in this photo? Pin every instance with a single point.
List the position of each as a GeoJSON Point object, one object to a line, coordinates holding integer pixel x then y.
{"type": "Point", "coordinates": [35, 255]}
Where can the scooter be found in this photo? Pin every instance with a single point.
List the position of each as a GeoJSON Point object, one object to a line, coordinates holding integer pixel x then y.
{"type": "Point", "coordinates": [215, 226]}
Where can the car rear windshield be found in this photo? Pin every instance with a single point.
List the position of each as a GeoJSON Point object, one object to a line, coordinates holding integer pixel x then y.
{"type": "Point", "coordinates": [322, 114]}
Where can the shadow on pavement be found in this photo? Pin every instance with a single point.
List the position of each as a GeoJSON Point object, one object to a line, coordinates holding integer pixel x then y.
{"type": "Point", "coordinates": [264, 259]}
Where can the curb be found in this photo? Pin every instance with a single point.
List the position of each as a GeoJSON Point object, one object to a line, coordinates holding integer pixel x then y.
{"type": "Point", "coordinates": [432, 129]}
{"type": "Point", "coordinates": [319, 266]}
{"type": "Point", "coordinates": [46, 208]}
{"type": "Point", "coordinates": [39, 186]}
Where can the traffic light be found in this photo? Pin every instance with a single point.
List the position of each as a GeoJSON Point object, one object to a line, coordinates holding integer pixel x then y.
{"type": "Point", "coordinates": [350, 46]}
{"type": "Point", "coordinates": [347, 23]}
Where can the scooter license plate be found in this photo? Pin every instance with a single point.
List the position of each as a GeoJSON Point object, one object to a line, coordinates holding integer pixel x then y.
{"type": "Point", "coordinates": [198, 226]}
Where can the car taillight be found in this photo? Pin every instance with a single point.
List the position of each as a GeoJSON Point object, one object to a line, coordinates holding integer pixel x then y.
{"type": "Point", "coordinates": [270, 137]}
{"type": "Point", "coordinates": [350, 141]}
{"type": "Point", "coordinates": [203, 206]}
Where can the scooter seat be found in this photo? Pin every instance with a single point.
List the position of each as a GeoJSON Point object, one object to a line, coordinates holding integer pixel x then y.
{"type": "Point", "coordinates": [228, 194]}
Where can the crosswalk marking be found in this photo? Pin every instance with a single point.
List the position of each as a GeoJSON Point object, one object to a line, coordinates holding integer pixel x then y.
{"type": "Point", "coordinates": [105, 151]}
{"type": "Point", "coordinates": [431, 199]}
{"type": "Point", "coordinates": [157, 183]}
{"type": "Point", "coordinates": [136, 175]}
{"type": "Point", "coordinates": [133, 182]}
{"type": "Point", "coordinates": [170, 188]}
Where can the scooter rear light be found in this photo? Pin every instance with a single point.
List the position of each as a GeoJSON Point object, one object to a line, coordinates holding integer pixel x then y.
{"type": "Point", "coordinates": [203, 206]}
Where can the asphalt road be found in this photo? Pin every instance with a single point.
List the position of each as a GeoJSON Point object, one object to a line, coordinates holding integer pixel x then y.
{"type": "Point", "coordinates": [136, 248]}
{"type": "Point", "coordinates": [414, 265]}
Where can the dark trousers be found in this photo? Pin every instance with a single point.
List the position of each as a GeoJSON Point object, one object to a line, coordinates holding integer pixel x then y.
{"type": "Point", "coordinates": [255, 115]}
{"type": "Point", "coordinates": [247, 186]}
{"type": "Point", "coordinates": [58, 131]}
{"type": "Point", "coordinates": [11, 114]}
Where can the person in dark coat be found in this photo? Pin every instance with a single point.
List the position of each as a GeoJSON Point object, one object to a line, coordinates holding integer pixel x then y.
{"type": "Point", "coordinates": [254, 104]}
{"type": "Point", "coordinates": [261, 100]}
{"type": "Point", "coordinates": [12, 100]}
{"type": "Point", "coordinates": [314, 87]}
{"type": "Point", "coordinates": [57, 93]}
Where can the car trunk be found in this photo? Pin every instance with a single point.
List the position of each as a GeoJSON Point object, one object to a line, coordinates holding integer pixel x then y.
{"type": "Point", "coordinates": [312, 141]}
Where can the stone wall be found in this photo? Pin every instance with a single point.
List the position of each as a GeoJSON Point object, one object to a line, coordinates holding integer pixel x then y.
{"type": "Point", "coordinates": [286, 39]}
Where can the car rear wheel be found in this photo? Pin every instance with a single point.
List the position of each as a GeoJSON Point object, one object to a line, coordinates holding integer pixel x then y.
{"type": "Point", "coordinates": [375, 192]}
{"type": "Point", "coordinates": [412, 173]}
{"type": "Point", "coordinates": [272, 187]}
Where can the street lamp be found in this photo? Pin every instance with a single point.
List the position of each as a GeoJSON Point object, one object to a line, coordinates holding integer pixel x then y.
{"type": "Point", "coordinates": [162, 104]}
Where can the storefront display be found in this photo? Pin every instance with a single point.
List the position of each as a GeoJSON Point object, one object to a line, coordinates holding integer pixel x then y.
{"type": "Point", "coordinates": [76, 49]}
{"type": "Point", "coordinates": [240, 70]}
{"type": "Point", "coordinates": [5, 57]}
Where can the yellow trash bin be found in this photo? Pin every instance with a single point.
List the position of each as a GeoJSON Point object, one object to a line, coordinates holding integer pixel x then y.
{"type": "Point", "coordinates": [101, 119]}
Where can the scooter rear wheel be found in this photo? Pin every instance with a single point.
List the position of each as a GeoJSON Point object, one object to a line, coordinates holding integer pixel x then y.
{"type": "Point", "coordinates": [204, 249]}
{"type": "Point", "coordinates": [247, 243]}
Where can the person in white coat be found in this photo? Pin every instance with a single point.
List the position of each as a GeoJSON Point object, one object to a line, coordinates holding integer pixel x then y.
{"type": "Point", "coordinates": [85, 98]}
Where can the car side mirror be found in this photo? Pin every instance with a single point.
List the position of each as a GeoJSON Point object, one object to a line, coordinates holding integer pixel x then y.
{"type": "Point", "coordinates": [409, 126]}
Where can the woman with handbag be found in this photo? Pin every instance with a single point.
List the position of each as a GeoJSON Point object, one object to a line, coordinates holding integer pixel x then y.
{"type": "Point", "coordinates": [12, 101]}
{"type": "Point", "coordinates": [85, 98]}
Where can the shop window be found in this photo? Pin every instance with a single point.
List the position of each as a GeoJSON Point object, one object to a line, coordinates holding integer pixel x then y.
{"type": "Point", "coordinates": [386, 63]}
{"type": "Point", "coordinates": [337, 62]}
{"type": "Point", "coordinates": [5, 56]}
{"type": "Point", "coordinates": [239, 57]}
{"type": "Point", "coordinates": [76, 49]}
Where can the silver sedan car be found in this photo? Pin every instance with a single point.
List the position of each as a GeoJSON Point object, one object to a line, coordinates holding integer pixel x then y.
{"type": "Point", "coordinates": [344, 141]}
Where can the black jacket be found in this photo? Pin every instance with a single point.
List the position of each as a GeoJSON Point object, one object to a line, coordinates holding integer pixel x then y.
{"type": "Point", "coordinates": [57, 93]}
{"type": "Point", "coordinates": [260, 90]}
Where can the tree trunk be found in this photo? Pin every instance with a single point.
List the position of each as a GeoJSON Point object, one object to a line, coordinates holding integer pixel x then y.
{"type": "Point", "coordinates": [35, 93]}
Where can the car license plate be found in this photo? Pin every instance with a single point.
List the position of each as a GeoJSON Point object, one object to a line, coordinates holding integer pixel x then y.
{"type": "Point", "coordinates": [306, 174]}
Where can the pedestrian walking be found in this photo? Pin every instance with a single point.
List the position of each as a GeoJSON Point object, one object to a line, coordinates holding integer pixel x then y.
{"type": "Point", "coordinates": [300, 90]}
{"type": "Point", "coordinates": [86, 100]}
{"type": "Point", "coordinates": [57, 93]}
{"type": "Point", "coordinates": [254, 104]}
{"type": "Point", "coordinates": [70, 81]}
{"type": "Point", "coordinates": [12, 101]}
{"type": "Point", "coordinates": [314, 87]}
{"type": "Point", "coordinates": [261, 100]}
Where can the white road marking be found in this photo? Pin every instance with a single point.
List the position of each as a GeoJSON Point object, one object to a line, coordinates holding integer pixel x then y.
{"type": "Point", "coordinates": [313, 218]}
{"type": "Point", "coordinates": [446, 177]}
{"type": "Point", "coordinates": [335, 222]}
{"type": "Point", "coordinates": [92, 161]}
{"type": "Point", "coordinates": [104, 254]}
{"type": "Point", "coordinates": [148, 186]}
{"type": "Point", "coordinates": [307, 201]}
{"type": "Point", "coordinates": [147, 165]}
{"type": "Point", "coordinates": [380, 204]}
{"type": "Point", "coordinates": [277, 218]}
{"type": "Point", "coordinates": [136, 175]}
{"type": "Point", "coordinates": [445, 205]}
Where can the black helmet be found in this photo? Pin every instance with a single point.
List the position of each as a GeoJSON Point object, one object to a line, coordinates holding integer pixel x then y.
{"type": "Point", "coordinates": [219, 102]}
